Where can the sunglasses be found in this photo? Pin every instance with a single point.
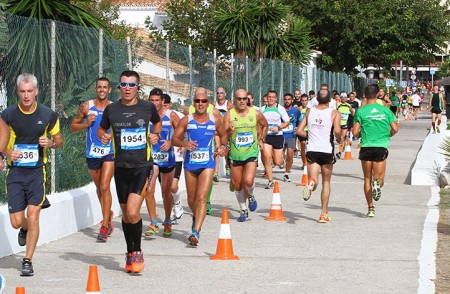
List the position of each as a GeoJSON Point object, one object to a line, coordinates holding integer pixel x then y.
{"type": "Point", "coordinates": [201, 100]}
{"type": "Point", "coordinates": [241, 98]}
{"type": "Point", "coordinates": [220, 93]}
{"type": "Point", "coordinates": [131, 85]}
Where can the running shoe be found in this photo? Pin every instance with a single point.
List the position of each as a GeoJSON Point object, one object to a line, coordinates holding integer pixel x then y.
{"type": "Point", "coordinates": [22, 237]}
{"type": "Point", "coordinates": [376, 190]}
{"type": "Point", "coordinates": [232, 187]}
{"type": "Point", "coordinates": [338, 155]}
{"type": "Point", "coordinates": [307, 191]}
{"type": "Point", "coordinates": [209, 208]}
{"type": "Point", "coordinates": [167, 229]}
{"type": "Point", "coordinates": [178, 210]}
{"type": "Point", "coordinates": [110, 223]}
{"type": "Point", "coordinates": [103, 234]}
{"type": "Point", "coordinates": [324, 218]}
{"type": "Point", "coordinates": [269, 185]}
{"type": "Point", "coordinates": [2, 284]}
{"type": "Point", "coordinates": [244, 216]}
{"type": "Point", "coordinates": [194, 238]}
{"type": "Point", "coordinates": [434, 132]}
{"type": "Point", "coordinates": [252, 203]}
{"type": "Point", "coordinates": [438, 130]}
{"type": "Point", "coordinates": [27, 268]}
{"type": "Point", "coordinates": [137, 262]}
{"type": "Point", "coordinates": [152, 230]}
{"type": "Point", "coordinates": [286, 178]}
{"type": "Point", "coordinates": [128, 262]}
{"type": "Point", "coordinates": [216, 178]}
{"type": "Point", "coordinates": [227, 173]}
{"type": "Point", "coordinates": [371, 212]}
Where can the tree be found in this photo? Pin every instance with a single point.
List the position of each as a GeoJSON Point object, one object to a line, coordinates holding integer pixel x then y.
{"type": "Point", "coordinates": [444, 69]}
{"type": "Point", "coordinates": [355, 32]}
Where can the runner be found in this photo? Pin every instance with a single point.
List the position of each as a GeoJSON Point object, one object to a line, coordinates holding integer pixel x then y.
{"type": "Point", "coordinates": [99, 157]}
{"type": "Point", "coordinates": [30, 123]}
{"type": "Point", "coordinates": [302, 140]}
{"type": "Point", "coordinates": [278, 119]}
{"type": "Point", "coordinates": [375, 124]}
{"type": "Point", "coordinates": [297, 99]}
{"type": "Point", "coordinates": [289, 133]}
{"type": "Point", "coordinates": [415, 104]}
{"type": "Point", "coordinates": [242, 124]}
{"type": "Point", "coordinates": [346, 111]}
{"type": "Point", "coordinates": [163, 167]}
{"type": "Point", "coordinates": [199, 160]}
{"type": "Point", "coordinates": [129, 120]}
{"type": "Point", "coordinates": [323, 122]}
{"type": "Point", "coordinates": [436, 106]}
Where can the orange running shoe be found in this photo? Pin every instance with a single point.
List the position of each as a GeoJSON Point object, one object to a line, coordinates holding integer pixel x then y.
{"type": "Point", "coordinates": [128, 260]}
{"type": "Point", "coordinates": [137, 262]}
{"type": "Point", "coordinates": [324, 218]}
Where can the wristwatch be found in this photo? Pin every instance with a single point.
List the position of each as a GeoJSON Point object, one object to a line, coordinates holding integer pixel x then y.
{"type": "Point", "coordinates": [2, 155]}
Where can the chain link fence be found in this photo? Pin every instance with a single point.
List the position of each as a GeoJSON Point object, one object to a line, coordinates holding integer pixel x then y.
{"type": "Point", "coordinates": [67, 60]}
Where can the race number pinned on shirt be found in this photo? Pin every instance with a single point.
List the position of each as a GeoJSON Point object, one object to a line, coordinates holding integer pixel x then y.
{"type": "Point", "coordinates": [270, 128]}
{"type": "Point", "coordinates": [289, 129]}
{"type": "Point", "coordinates": [30, 154]}
{"type": "Point", "coordinates": [160, 157]}
{"type": "Point", "coordinates": [244, 139]}
{"type": "Point", "coordinates": [199, 156]}
{"type": "Point", "coordinates": [97, 151]}
{"type": "Point", "coordinates": [133, 139]}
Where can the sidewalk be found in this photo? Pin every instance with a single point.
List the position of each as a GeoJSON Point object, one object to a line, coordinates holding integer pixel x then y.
{"type": "Point", "coordinates": [351, 254]}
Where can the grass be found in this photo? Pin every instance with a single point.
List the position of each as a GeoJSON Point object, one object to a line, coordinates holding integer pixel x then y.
{"type": "Point", "coordinates": [444, 203]}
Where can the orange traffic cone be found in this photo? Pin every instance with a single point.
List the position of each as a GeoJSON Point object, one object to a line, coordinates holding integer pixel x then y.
{"type": "Point", "coordinates": [276, 212]}
{"type": "Point", "coordinates": [305, 176]}
{"type": "Point", "coordinates": [359, 146]}
{"type": "Point", "coordinates": [20, 290]}
{"type": "Point", "coordinates": [348, 152]}
{"type": "Point", "coordinates": [224, 244]}
{"type": "Point", "coordinates": [93, 286]}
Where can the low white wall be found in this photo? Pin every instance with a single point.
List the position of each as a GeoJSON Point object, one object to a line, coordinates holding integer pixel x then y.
{"type": "Point", "coordinates": [430, 158]}
{"type": "Point", "coordinates": [70, 212]}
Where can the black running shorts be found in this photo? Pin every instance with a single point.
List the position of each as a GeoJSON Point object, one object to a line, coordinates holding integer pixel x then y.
{"type": "Point", "coordinates": [320, 158]}
{"type": "Point", "coordinates": [376, 154]}
{"type": "Point", "coordinates": [130, 180]}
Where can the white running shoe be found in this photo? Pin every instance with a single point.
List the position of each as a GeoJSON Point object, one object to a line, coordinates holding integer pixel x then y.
{"type": "Point", "coordinates": [178, 209]}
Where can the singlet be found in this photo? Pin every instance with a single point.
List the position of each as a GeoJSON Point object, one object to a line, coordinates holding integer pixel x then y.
{"type": "Point", "coordinates": [344, 109]}
{"type": "Point", "coordinates": [320, 130]}
{"type": "Point", "coordinates": [26, 128]}
{"type": "Point", "coordinates": [210, 109]}
{"type": "Point", "coordinates": [294, 117]}
{"type": "Point", "coordinates": [203, 134]}
{"type": "Point", "coordinates": [222, 108]}
{"type": "Point", "coordinates": [244, 140]}
{"type": "Point", "coordinates": [275, 116]}
{"type": "Point", "coordinates": [178, 155]}
{"type": "Point", "coordinates": [395, 100]}
{"type": "Point", "coordinates": [129, 132]}
{"type": "Point", "coordinates": [436, 102]}
{"type": "Point", "coordinates": [94, 147]}
{"type": "Point", "coordinates": [164, 158]}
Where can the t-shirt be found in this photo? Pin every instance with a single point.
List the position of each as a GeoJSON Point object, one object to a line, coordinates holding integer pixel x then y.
{"type": "Point", "coordinates": [294, 117]}
{"type": "Point", "coordinates": [275, 116]}
{"type": "Point", "coordinates": [375, 123]}
{"type": "Point", "coordinates": [130, 127]}
{"type": "Point", "coordinates": [26, 128]}
{"type": "Point", "coordinates": [415, 100]}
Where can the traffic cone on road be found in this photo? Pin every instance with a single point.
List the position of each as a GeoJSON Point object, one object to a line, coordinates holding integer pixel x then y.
{"type": "Point", "coordinates": [276, 212]}
{"type": "Point", "coordinates": [224, 244]}
{"type": "Point", "coordinates": [305, 176]}
{"type": "Point", "coordinates": [348, 152]}
{"type": "Point", "coordinates": [20, 290]}
{"type": "Point", "coordinates": [93, 286]}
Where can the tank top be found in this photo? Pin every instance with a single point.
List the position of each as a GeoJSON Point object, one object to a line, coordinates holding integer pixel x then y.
{"type": "Point", "coordinates": [222, 108]}
{"type": "Point", "coordinates": [94, 147]}
{"type": "Point", "coordinates": [164, 158]}
{"type": "Point", "coordinates": [436, 102]}
{"type": "Point", "coordinates": [178, 154]}
{"type": "Point", "coordinates": [244, 140]}
{"type": "Point", "coordinates": [344, 109]}
{"type": "Point", "coordinates": [320, 131]}
{"type": "Point", "coordinates": [203, 134]}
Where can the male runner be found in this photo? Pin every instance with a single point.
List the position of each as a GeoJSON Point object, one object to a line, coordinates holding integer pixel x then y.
{"type": "Point", "coordinates": [30, 124]}
{"type": "Point", "coordinates": [129, 120]}
{"type": "Point", "coordinates": [323, 122]}
{"type": "Point", "coordinates": [375, 124]}
{"type": "Point", "coordinates": [99, 157]}
{"type": "Point", "coordinates": [289, 133]}
{"type": "Point", "coordinates": [199, 160]}
{"type": "Point", "coordinates": [242, 124]}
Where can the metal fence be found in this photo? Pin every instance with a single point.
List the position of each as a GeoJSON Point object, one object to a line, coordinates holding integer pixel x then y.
{"type": "Point", "coordinates": [67, 60]}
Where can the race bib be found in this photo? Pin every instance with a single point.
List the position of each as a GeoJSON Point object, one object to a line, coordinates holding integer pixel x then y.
{"type": "Point", "coordinates": [199, 156]}
{"type": "Point", "coordinates": [99, 151]}
{"type": "Point", "coordinates": [244, 139]}
{"type": "Point", "coordinates": [270, 127]}
{"type": "Point", "coordinates": [289, 129]}
{"type": "Point", "coordinates": [30, 154]}
{"type": "Point", "coordinates": [133, 139]}
{"type": "Point", "coordinates": [344, 116]}
{"type": "Point", "coordinates": [160, 157]}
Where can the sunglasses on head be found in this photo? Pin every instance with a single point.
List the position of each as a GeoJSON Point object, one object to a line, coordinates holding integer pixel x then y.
{"type": "Point", "coordinates": [220, 93]}
{"type": "Point", "coordinates": [131, 85]}
{"type": "Point", "coordinates": [241, 98]}
{"type": "Point", "coordinates": [201, 100]}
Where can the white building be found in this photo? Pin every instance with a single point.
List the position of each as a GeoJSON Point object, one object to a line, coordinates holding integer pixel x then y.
{"type": "Point", "coordinates": [135, 12]}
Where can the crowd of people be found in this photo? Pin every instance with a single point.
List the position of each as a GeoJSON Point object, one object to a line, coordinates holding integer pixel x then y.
{"type": "Point", "coordinates": [144, 141]}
